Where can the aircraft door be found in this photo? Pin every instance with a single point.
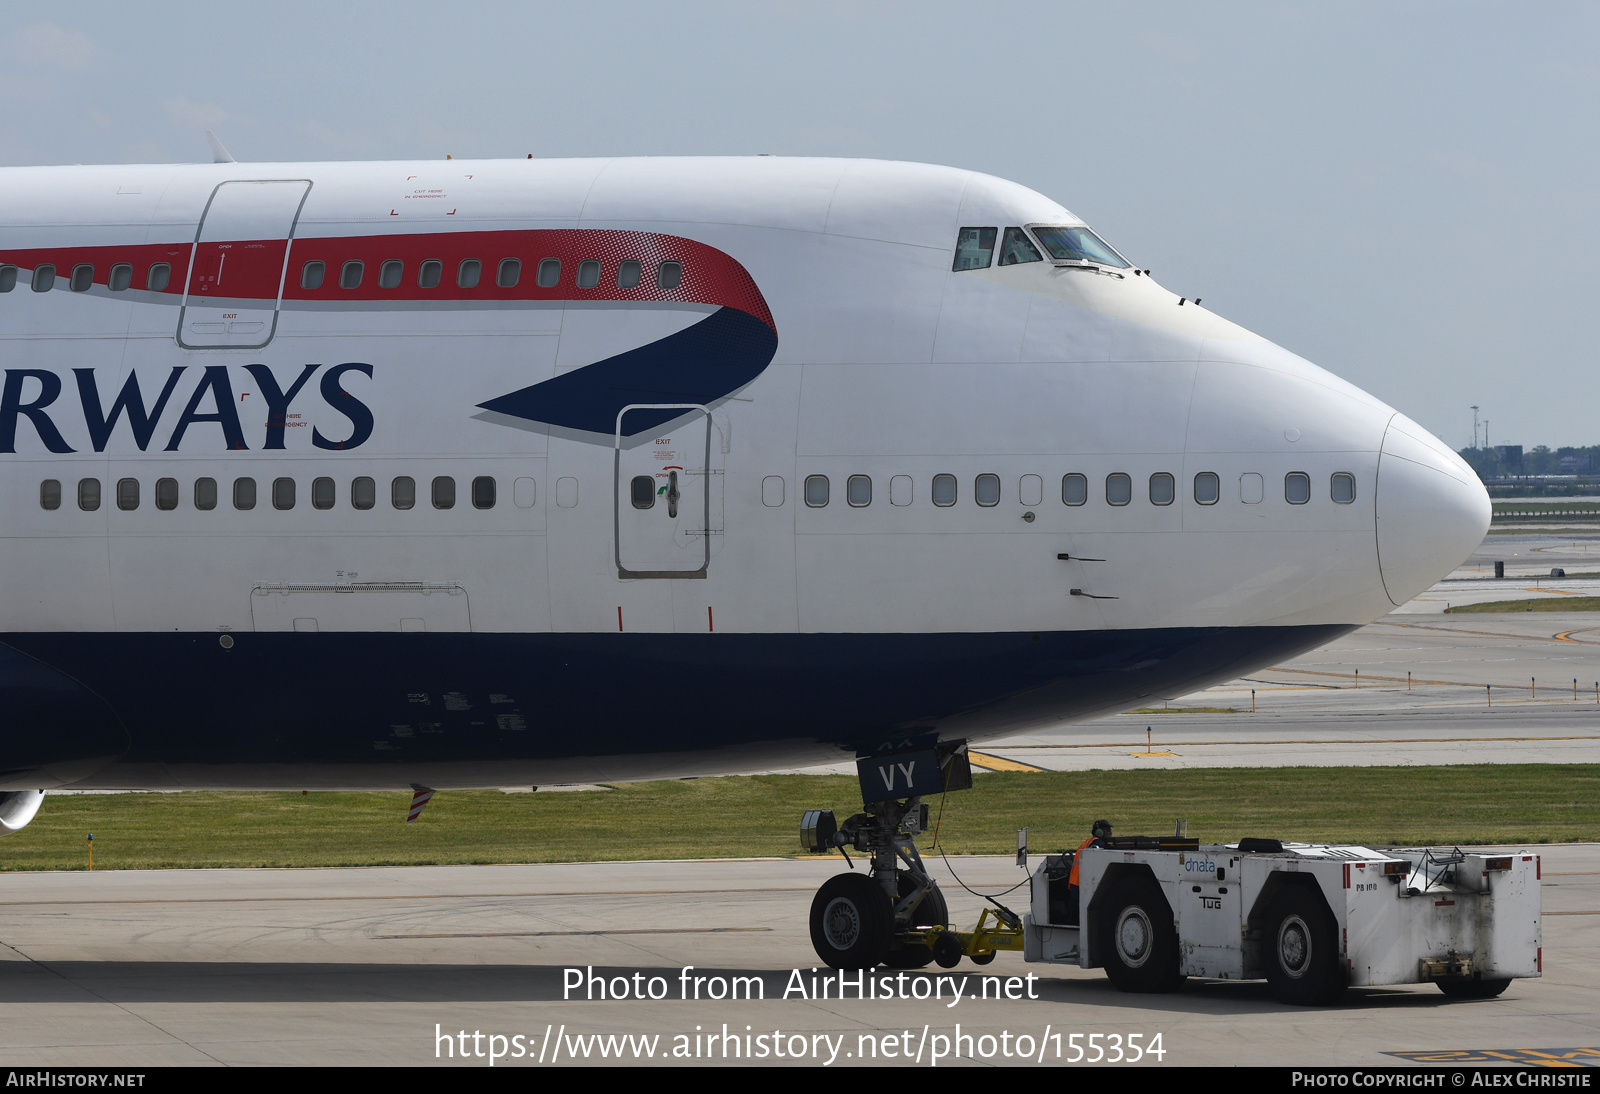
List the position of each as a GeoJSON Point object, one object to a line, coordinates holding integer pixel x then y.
{"type": "Point", "coordinates": [663, 493]}
{"type": "Point", "coordinates": [236, 273]}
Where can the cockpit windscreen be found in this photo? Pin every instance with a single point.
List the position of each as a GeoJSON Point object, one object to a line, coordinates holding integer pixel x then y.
{"type": "Point", "coordinates": [1078, 245]}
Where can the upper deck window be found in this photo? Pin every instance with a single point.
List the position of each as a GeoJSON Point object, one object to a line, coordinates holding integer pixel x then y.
{"type": "Point", "coordinates": [974, 248]}
{"type": "Point", "coordinates": [1016, 248]}
{"type": "Point", "coordinates": [1079, 245]}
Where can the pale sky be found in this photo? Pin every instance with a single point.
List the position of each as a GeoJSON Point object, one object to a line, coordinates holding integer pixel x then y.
{"type": "Point", "coordinates": [1331, 176]}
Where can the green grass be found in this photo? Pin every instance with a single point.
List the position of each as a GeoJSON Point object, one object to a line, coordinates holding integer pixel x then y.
{"type": "Point", "coordinates": [759, 815]}
{"type": "Point", "coordinates": [1542, 604]}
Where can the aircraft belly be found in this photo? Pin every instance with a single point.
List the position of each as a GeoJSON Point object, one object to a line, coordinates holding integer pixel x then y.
{"type": "Point", "coordinates": [291, 709]}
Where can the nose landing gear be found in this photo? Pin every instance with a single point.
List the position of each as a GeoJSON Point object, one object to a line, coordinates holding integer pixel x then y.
{"type": "Point", "coordinates": [893, 914]}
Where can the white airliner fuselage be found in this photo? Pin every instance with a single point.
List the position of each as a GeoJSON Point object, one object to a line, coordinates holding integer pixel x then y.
{"type": "Point", "coordinates": [484, 473]}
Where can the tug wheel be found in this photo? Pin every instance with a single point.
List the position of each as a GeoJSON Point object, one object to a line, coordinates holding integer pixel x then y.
{"type": "Point", "coordinates": [852, 922]}
{"type": "Point", "coordinates": [1302, 949]}
{"type": "Point", "coordinates": [1473, 989]}
{"type": "Point", "coordinates": [1135, 938]}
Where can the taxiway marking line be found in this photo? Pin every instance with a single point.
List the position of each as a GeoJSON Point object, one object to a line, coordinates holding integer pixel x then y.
{"type": "Point", "coordinates": [1573, 913]}
{"type": "Point", "coordinates": [1562, 637]}
{"type": "Point", "coordinates": [1330, 741]}
{"type": "Point", "coordinates": [585, 934]}
{"type": "Point", "coordinates": [407, 896]}
{"type": "Point", "coordinates": [998, 763]}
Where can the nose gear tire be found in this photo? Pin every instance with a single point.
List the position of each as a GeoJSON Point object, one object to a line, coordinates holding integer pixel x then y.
{"type": "Point", "coordinates": [852, 922]}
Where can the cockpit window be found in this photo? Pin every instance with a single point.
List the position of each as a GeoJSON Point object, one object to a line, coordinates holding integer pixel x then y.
{"type": "Point", "coordinates": [1078, 245]}
{"type": "Point", "coordinates": [1016, 247]}
{"type": "Point", "coordinates": [974, 248]}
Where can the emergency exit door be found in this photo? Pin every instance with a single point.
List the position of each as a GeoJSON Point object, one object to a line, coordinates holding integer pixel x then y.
{"type": "Point", "coordinates": [236, 273]}
{"type": "Point", "coordinates": [663, 491]}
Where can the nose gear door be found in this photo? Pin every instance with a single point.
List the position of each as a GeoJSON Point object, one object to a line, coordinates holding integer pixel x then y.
{"type": "Point", "coordinates": [663, 492]}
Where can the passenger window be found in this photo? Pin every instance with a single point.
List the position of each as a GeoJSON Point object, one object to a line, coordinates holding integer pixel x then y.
{"type": "Point", "coordinates": [468, 273]}
{"type": "Point", "coordinates": [1119, 489]}
{"type": "Point", "coordinates": [1163, 488]}
{"type": "Point", "coordinates": [444, 492]}
{"type": "Point", "coordinates": [1297, 488]}
{"type": "Point", "coordinates": [944, 490]}
{"type": "Point", "coordinates": [159, 277]}
{"type": "Point", "coordinates": [82, 278]}
{"type": "Point", "coordinates": [244, 493]}
{"type": "Point", "coordinates": [322, 493]}
{"type": "Point", "coordinates": [1016, 247]}
{"type": "Point", "coordinates": [816, 491]}
{"type": "Point", "coordinates": [549, 275]}
{"type": "Point", "coordinates": [312, 273]}
{"type": "Point", "coordinates": [430, 273]}
{"type": "Point", "coordinates": [1207, 488]}
{"type": "Point", "coordinates": [283, 493]}
{"type": "Point", "coordinates": [974, 248]}
{"type": "Point", "coordinates": [629, 273]}
{"type": "Point", "coordinates": [390, 272]}
{"type": "Point", "coordinates": [642, 492]}
{"type": "Point", "coordinates": [524, 493]}
{"type": "Point", "coordinates": [205, 494]}
{"type": "Point", "coordinates": [88, 494]}
{"type": "Point", "coordinates": [858, 491]}
{"type": "Point", "coordinates": [772, 491]}
{"type": "Point", "coordinates": [483, 492]}
{"type": "Point", "coordinates": [900, 490]}
{"type": "Point", "coordinates": [127, 494]}
{"type": "Point", "coordinates": [566, 492]}
{"type": "Point", "coordinates": [363, 492]}
{"type": "Point", "coordinates": [121, 277]}
{"type": "Point", "coordinates": [166, 494]}
{"type": "Point", "coordinates": [8, 278]}
{"type": "Point", "coordinates": [509, 273]}
{"type": "Point", "coordinates": [403, 492]}
{"type": "Point", "coordinates": [350, 274]}
{"type": "Point", "coordinates": [668, 275]}
{"type": "Point", "coordinates": [986, 490]}
{"type": "Point", "coordinates": [1343, 487]}
{"type": "Point", "coordinates": [1074, 489]}
{"type": "Point", "coordinates": [588, 273]}
{"type": "Point", "coordinates": [44, 278]}
{"type": "Point", "coordinates": [50, 493]}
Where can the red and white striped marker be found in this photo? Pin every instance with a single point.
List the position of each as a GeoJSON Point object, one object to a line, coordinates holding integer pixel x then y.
{"type": "Point", "coordinates": [420, 796]}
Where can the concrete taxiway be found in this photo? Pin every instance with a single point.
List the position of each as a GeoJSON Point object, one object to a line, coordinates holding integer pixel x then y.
{"type": "Point", "coordinates": [375, 966]}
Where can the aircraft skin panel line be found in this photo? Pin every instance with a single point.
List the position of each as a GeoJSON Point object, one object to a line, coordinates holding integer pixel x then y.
{"type": "Point", "coordinates": [482, 472]}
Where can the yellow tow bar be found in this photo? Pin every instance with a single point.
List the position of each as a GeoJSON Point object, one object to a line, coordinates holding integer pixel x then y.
{"type": "Point", "coordinates": [979, 945]}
